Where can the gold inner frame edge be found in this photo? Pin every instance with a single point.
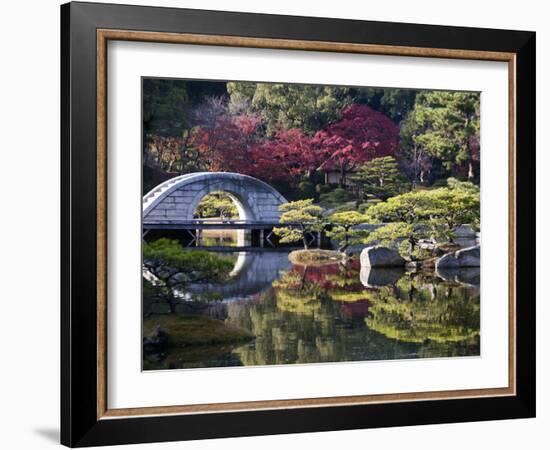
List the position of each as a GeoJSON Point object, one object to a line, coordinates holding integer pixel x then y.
{"type": "Point", "coordinates": [103, 36]}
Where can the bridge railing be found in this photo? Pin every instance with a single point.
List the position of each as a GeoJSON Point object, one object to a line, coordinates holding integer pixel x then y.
{"type": "Point", "coordinates": [165, 184]}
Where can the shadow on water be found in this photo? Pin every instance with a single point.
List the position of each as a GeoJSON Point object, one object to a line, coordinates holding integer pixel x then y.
{"type": "Point", "coordinates": [289, 314]}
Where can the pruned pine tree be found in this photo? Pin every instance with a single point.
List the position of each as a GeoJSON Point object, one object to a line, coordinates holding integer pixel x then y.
{"type": "Point", "coordinates": [301, 218]}
{"type": "Point", "coordinates": [380, 178]}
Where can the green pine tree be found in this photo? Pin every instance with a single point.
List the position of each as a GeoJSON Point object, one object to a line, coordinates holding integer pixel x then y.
{"type": "Point", "coordinates": [446, 125]}
{"type": "Point", "coordinates": [302, 217]}
{"type": "Point", "coordinates": [380, 178]}
{"type": "Point", "coordinates": [342, 228]}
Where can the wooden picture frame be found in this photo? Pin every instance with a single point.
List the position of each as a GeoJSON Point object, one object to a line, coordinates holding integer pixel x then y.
{"type": "Point", "coordinates": [85, 417]}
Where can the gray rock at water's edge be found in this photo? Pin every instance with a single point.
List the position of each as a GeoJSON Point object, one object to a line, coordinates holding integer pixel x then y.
{"type": "Point", "coordinates": [158, 338]}
{"type": "Point", "coordinates": [352, 250]}
{"type": "Point", "coordinates": [372, 277]}
{"type": "Point", "coordinates": [379, 256]}
{"type": "Point", "coordinates": [465, 236]}
{"type": "Point", "coordinates": [467, 257]}
{"type": "Point", "coordinates": [466, 242]}
{"type": "Point", "coordinates": [464, 231]}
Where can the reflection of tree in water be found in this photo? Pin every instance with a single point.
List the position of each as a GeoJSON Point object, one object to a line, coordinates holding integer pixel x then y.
{"type": "Point", "coordinates": [325, 314]}
{"type": "Point", "coordinates": [413, 311]}
{"type": "Point", "coordinates": [322, 314]}
{"type": "Point", "coordinates": [288, 334]}
{"type": "Point", "coordinates": [294, 294]}
{"type": "Point", "coordinates": [338, 282]}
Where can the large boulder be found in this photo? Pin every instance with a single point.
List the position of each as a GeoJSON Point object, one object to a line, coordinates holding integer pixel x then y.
{"type": "Point", "coordinates": [465, 236]}
{"type": "Point", "coordinates": [379, 256]}
{"type": "Point", "coordinates": [467, 257]}
{"type": "Point", "coordinates": [464, 231]}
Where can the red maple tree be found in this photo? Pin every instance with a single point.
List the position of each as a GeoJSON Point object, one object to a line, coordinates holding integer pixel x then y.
{"type": "Point", "coordinates": [236, 144]}
{"type": "Point", "coordinates": [225, 144]}
{"type": "Point", "coordinates": [289, 155]}
{"type": "Point", "coordinates": [359, 136]}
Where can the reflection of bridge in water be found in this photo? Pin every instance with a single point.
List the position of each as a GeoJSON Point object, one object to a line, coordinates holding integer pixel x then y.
{"type": "Point", "coordinates": [253, 272]}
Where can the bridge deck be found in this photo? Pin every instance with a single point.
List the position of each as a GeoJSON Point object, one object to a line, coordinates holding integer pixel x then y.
{"type": "Point", "coordinates": [212, 225]}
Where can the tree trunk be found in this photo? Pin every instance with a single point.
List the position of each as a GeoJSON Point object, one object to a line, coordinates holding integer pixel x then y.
{"type": "Point", "coordinates": [470, 171]}
{"type": "Point", "coordinates": [304, 239]}
{"type": "Point", "coordinates": [342, 177]}
{"type": "Point", "coordinates": [346, 239]}
{"type": "Point", "coordinates": [412, 243]}
{"type": "Point", "coordinates": [304, 277]}
{"type": "Point", "coordinates": [172, 302]}
{"type": "Point", "coordinates": [358, 197]}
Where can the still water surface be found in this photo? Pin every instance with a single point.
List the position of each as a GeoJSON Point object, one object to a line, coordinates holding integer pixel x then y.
{"type": "Point", "coordinates": [331, 313]}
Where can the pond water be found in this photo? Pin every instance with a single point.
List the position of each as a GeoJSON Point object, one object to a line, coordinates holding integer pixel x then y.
{"type": "Point", "coordinates": [329, 313]}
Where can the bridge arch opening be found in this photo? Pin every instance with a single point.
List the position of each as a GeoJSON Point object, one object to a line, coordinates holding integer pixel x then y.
{"type": "Point", "coordinates": [221, 204]}
{"type": "Point", "coordinates": [223, 207]}
{"type": "Point", "coordinates": [218, 205]}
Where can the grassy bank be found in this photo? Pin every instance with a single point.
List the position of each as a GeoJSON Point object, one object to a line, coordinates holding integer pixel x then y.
{"type": "Point", "coordinates": [185, 330]}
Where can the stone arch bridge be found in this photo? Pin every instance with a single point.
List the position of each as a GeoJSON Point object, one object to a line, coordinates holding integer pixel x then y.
{"type": "Point", "coordinates": [176, 200]}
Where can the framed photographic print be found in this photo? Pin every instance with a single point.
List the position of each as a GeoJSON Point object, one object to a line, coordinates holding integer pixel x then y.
{"type": "Point", "coordinates": [276, 224]}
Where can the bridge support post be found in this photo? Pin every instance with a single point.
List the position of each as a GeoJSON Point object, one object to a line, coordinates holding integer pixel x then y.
{"type": "Point", "coordinates": [244, 238]}
{"type": "Point", "coordinates": [318, 239]}
{"type": "Point", "coordinates": [192, 238]}
{"type": "Point", "coordinates": [199, 237]}
{"type": "Point", "coordinates": [262, 238]}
